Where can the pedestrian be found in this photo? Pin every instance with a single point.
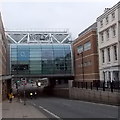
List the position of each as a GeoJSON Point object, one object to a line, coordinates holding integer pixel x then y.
{"type": "Point", "coordinates": [10, 97]}
{"type": "Point", "coordinates": [18, 95]}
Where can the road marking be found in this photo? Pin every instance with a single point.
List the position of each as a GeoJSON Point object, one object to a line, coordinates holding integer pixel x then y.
{"type": "Point", "coordinates": [34, 104]}
{"type": "Point", "coordinates": [49, 112]}
{"type": "Point", "coordinates": [66, 104]}
{"type": "Point", "coordinates": [21, 100]}
{"type": "Point", "coordinates": [95, 103]}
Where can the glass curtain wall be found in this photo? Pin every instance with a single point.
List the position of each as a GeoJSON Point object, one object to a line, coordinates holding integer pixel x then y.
{"type": "Point", "coordinates": [41, 59]}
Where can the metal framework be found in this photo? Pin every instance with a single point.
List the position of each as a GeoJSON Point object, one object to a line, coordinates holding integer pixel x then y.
{"type": "Point", "coordinates": [17, 37]}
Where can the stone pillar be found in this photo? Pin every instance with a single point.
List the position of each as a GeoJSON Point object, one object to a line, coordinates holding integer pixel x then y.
{"type": "Point", "coordinates": [70, 83]}
{"type": "Point", "coordinates": [112, 76]}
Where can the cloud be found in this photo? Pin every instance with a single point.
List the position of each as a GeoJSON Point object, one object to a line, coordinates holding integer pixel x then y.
{"type": "Point", "coordinates": [75, 16]}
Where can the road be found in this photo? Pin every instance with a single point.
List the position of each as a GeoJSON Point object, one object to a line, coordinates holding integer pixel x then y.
{"type": "Point", "coordinates": [64, 108]}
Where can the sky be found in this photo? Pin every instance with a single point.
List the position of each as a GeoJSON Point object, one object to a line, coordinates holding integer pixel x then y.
{"type": "Point", "coordinates": [73, 15]}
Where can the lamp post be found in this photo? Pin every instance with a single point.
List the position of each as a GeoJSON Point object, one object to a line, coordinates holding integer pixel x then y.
{"type": "Point", "coordinates": [82, 66]}
{"type": "Point", "coordinates": [24, 82]}
{"type": "Point", "coordinates": [80, 50]}
{"type": "Point", "coordinates": [24, 95]}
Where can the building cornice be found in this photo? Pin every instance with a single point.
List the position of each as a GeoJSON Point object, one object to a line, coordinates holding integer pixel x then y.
{"type": "Point", "coordinates": [5, 77]}
{"type": "Point", "coordinates": [109, 11]}
{"type": "Point", "coordinates": [92, 28]}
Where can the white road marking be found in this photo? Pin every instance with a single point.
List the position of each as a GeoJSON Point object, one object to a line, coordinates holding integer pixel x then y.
{"type": "Point", "coordinates": [96, 103]}
{"type": "Point", "coordinates": [34, 104]}
{"type": "Point", "coordinates": [21, 100]}
{"type": "Point", "coordinates": [66, 104]}
{"type": "Point", "coordinates": [49, 112]}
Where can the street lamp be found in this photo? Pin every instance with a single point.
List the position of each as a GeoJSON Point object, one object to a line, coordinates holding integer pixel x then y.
{"type": "Point", "coordinates": [24, 83]}
{"type": "Point", "coordinates": [80, 51]}
{"type": "Point", "coordinates": [82, 66]}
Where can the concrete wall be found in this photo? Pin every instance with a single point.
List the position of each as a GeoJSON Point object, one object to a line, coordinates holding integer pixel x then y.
{"type": "Point", "coordinates": [61, 92]}
{"type": "Point", "coordinates": [100, 96]}
{"type": "Point", "coordinates": [0, 91]}
{"type": "Point", "coordinates": [106, 97]}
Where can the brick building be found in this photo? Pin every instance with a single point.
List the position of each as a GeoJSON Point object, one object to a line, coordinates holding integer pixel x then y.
{"type": "Point", "coordinates": [5, 78]}
{"type": "Point", "coordinates": [85, 51]}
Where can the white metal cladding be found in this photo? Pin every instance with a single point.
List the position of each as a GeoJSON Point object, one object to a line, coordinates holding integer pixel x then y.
{"type": "Point", "coordinates": [38, 37]}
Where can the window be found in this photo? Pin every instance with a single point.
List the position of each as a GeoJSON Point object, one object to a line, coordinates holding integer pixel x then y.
{"type": "Point", "coordinates": [108, 52]}
{"type": "Point", "coordinates": [101, 23]}
{"type": "Point", "coordinates": [102, 37]}
{"type": "Point", "coordinates": [115, 52]}
{"type": "Point", "coordinates": [113, 16]}
{"type": "Point", "coordinates": [107, 20]}
{"type": "Point", "coordinates": [80, 49]}
{"type": "Point", "coordinates": [87, 46]}
{"type": "Point", "coordinates": [107, 33]}
{"type": "Point", "coordinates": [114, 30]}
{"type": "Point", "coordinates": [103, 57]}
{"type": "Point", "coordinates": [89, 63]}
{"type": "Point", "coordinates": [20, 67]}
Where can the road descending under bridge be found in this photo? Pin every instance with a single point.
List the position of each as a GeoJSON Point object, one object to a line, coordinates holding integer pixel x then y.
{"type": "Point", "coordinates": [65, 108]}
{"type": "Point", "coordinates": [54, 107]}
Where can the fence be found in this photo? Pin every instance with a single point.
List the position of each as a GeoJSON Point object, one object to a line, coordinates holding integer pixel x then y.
{"type": "Point", "coordinates": [98, 85]}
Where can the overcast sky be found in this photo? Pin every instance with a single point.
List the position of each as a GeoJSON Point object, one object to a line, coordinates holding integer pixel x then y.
{"type": "Point", "coordinates": [75, 15]}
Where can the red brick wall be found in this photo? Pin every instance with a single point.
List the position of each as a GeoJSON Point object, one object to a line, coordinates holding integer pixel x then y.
{"type": "Point", "coordinates": [91, 72]}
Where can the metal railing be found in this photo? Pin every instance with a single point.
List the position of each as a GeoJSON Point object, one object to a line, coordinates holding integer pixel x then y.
{"type": "Point", "coordinates": [113, 86]}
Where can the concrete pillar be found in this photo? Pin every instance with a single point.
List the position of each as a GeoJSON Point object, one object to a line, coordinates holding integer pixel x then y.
{"type": "Point", "coordinates": [0, 91]}
{"type": "Point", "coordinates": [70, 83]}
{"type": "Point", "coordinates": [119, 75]}
{"type": "Point", "coordinates": [111, 76]}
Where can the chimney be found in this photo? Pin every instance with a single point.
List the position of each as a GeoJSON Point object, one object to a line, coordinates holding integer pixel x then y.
{"type": "Point", "coordinates": [106, 9]}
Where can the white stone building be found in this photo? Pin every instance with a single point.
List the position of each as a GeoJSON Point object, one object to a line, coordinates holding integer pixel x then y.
{"type": "Point", "coordinates": [108, 25]}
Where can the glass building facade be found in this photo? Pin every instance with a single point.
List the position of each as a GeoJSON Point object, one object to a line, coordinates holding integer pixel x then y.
{"type": "Point", "coordinates": [41, 59]}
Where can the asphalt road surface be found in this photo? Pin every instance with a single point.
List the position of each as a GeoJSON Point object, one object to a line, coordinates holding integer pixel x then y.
{"type": "Point", "coordinates": [64, 108]}
{"type": "Point", "coordinates": [54, 107]}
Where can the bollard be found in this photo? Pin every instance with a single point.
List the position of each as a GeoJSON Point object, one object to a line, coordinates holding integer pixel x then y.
{"type": "Point", "coordinates": [111, 86]}
{"type": "Point", "coordinates": [103, 86]}
{"type": "Point", "coordinates": [82, 85]}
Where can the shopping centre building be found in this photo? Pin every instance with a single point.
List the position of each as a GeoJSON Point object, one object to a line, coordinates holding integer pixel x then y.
{"type": "Point", "coordinates": [40, 55]}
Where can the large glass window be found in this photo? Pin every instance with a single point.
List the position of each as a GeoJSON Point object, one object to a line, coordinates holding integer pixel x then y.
{"type": "Point", "coordinates": [23, 52]}
{"type": "Point", "coordinates": [41, 59]}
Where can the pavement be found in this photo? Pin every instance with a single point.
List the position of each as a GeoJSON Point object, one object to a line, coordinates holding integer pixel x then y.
{"type": "Point", "coordinates": [0, 110]}
{"type": "Point", "coordinates": [17, 109]}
